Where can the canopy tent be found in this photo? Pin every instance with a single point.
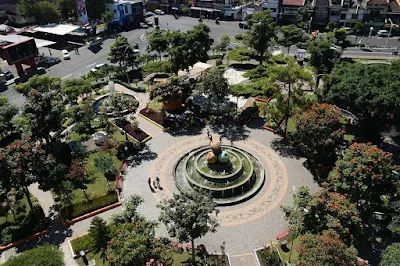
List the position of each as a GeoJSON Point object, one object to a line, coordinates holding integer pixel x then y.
{"type": "Point", "coordinates": [13, 38]}
{"type": "Point", "coordinates": [61, 29]}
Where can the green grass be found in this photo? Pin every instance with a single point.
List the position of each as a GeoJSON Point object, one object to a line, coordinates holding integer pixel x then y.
{"type": "Point", "coordinates": [68, 122]}
{"type": "Point", "coordinates": [268, 257]}
{"type": "Point", "coordinates": [285, 255]}
{"type": "Point", "coordinates": [81, 243]}
{"type": "Point", "coordinates": [155, 104]}
{"type": "Point", "coordinates": [118, 137]}
{"type": "Point", "coordinates": [291, 125]}
{"type": "Point", "coordinates": [94, 256]}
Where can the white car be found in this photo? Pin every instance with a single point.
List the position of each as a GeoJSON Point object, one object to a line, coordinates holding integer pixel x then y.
{"type": "Point", "coordinates": [383, 33]}
{"type": "Point", "coordinates": [97, 67]}
{"type": "Point", "coordinates": [159, 12]}
{"type": "Point", "coordinates": [65, 54]}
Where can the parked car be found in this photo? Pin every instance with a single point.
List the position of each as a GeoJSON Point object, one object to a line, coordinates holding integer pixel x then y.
{"type": "Point", "coordinates": [48, 61]}
{"type": "Point", "coordinates": [96, 42]}
{"type": "Point", "coordinates": [29, 74]}
{"type": "Point", "coordinates": [7, 73]}
{"type": "Point", "coordinates": [349, 31]}
{"type": "Point", "coordinates": [97, 67]}
{"type": "Point", "coordinates": [159, 12]}
{"type": "Point", "coordinates": [149, 23]}
{"type": "Point", "coordinates": [144, 25]}
{"type": "Point", "coordinates": [65, 54]}
{"type": "Point", "coordinates": [149, 14]}
{"type": "Point", "coordinates": [383, 33]}
{"type": "Point", "coordinates": [243, 25]}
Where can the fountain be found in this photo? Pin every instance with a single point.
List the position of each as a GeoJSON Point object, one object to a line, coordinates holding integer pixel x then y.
{"type": "Point", "coordinates": [230, 174]}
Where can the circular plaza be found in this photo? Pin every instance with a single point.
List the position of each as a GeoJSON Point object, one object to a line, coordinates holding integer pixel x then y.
{"type": "Point", "coordinates": [250, 179]}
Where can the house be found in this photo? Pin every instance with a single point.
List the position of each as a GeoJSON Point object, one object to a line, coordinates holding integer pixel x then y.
{"type": "Point", "coordinates": [346, 13]}
{"type": "Point", "coordinates": [375, 13]}
{"type": "Point", "coordinates": [127, 14]}
{"type": "Point", "coordinates": [273, 6]}
{"type": "Point", "coordinates": [289, 11]}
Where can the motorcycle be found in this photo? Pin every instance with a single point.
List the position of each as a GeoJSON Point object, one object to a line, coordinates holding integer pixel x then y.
{"type": "Point", "coordinates": [217, 21]}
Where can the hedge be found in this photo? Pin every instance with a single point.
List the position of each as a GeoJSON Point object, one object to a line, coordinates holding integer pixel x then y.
{"type": "Point", "coordinates": [137, 89]}
{"type": "Point", "coordinates": [72, 211]}
{"type": "Point", "coordinates": [81, 243]}
{"type": "Point", "coordinates": [47, 255]}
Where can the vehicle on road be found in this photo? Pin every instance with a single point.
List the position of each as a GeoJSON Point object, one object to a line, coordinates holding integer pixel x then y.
{"type": "Point", "coordinates": [97, 67]}
{"type": "Point", "coordinates": [48, 61]}
{"type": "Point", "coordinates": [136, 45]}
{"type": "Point", "coordinates": [366, 49]}
{"type": "Point", "coordinates": [65, 54]}
{"type": "Point", "coordinates": [159, 12]}
{"type": "Point", "coordinates": [29, 74]}
{"type": "Point", "coordinates": [349, 31]}
{"type": "Point", "coordinates": [383, 33]}
{"type": "Point", "coordinates": [243, 25]}
{"type": "Point", "coordinates": [96, 42]}
{"type": "Point", "coordinates": [176, 16]}
{"type": "Point", "coordinates": [149, 14]}
{"type": "Point", "coordinates": [7, 73]}
{"type": "Point", "coordinates": [136, 52]}
{"type": "Point", "coordinates": [144, 25]}
{"type": "Point", "coordinates": [149, 23]}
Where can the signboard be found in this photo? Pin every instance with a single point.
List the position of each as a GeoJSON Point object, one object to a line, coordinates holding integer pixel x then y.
{"type": "Point", "coordinates": [100, 28]}
{"type": "Point", "coordinates": [82, 13]}
{"type": "Point", "coordinates": [19, 51]}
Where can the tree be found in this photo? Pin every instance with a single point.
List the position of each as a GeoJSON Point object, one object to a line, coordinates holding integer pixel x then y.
{"type": "Point", "coordinates": [199, 43]}
{"type": "Point", "coordinates": [107, 16]}
{"type": "Point", "coordinates": [368, 91]}
{"type": "Point", "coordinates": [358, 27]}
{"type": "Point", "coordinates": [223, 45]}
{"type": "Point", "coordinates": [174, 88]}
{"type": "Point", "coordinates": [158, 42]}
{"type": "Point", "coordinates": [319, 131]}
{"type": "Point", "coordinates": [189, 216]}
{"type": "Point", "coordinates": [261, 32]}
{"type": "Point", "coordinates": [289, 74]}
{"type": "Point", "coordinates": [95, 8]}
{"type": "Point", "coordinates": [118, 50]}
{"type": "Point", "coordinates": [292, 35]}
{"type": "Point", "coordinates": [135, 244]}
{"type": "Point", "coordinates": [325, 249]}
{"type": "Point", "coordinates": [331, 26]}
{"type": "Point", "coordinates": [49, 255]}
{"type": "Point", "coordinates": [99, 234]}
{"type": "Point", "coordinates": [340, 36]}
{"type": "Point", "coordinates": [84, 113]}
{"type": "Point", "coordinates": [73, 88]}
{"type": "Point", "coordinates": [44, 12]}
{"type": "Point", "coordinates": [323, 210]}
{"type": "Point", "coordinates": [44, 107]}
{"type": "Point", "coordinates": [391, 255]}
{"type": "Point", "coordinates": [67, 8]}
{"type": "Point", "coordinates": [394, 224]}
{"type": "Point", "coordinates": [77, 173]}
{"type": "Point", "coordinates": [7, 111]}
{"type": "Point", "coordinates": [178, 51]}
{"type": "Point", "coordinates": [104, 164]}
{"type": "Point", "coordinates": [215, 85]}
{"type": "Point", "coordinates": [240, 54]}
{"type": "Point", "coordinates": [24, 162]}
{"type": "Point", "coordinates": [365, 175]}
{"type": "Point", "coordinates": [130, 213]}
{"type": "Point", "coordinates": [322, 56]}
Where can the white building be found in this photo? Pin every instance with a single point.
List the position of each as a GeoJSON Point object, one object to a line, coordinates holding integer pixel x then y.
{"type": "Point", "coordinates": [346, 13]}
{"type": "Point", "coordinates": [273, 6]}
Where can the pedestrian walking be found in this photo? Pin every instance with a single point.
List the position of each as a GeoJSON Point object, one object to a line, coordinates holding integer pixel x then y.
{"type": "Point", "coordinates": [211, 139]}
{"type": "Point", "coordinates": [50, 52]}
{"type": "Point", "coordinates": [220, 139]}
{"type": "Point", "coordinates": [208, 133]}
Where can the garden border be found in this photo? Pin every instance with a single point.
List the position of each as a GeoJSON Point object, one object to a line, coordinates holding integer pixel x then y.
{"type": "Point", "coordinates": [93, 213]}
{"type": "Point", "coordinates": [154, 123]}
{"type": "Point", "coordinates": [24, 240]}
{"type": "Point", "coordinates": [266, 247]}
{"type": "Point", "coordinates": [76, 256]}
{"type": "Point", "coordinates": [277, 129]}
{"type": "Point", "coordinates": [143, 141]}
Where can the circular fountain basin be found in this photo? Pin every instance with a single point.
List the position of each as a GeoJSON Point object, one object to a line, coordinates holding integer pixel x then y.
{"type": "Point", "coordinates": [106, 97]}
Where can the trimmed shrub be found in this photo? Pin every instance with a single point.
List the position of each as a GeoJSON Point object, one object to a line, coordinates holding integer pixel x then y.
{"type": "Point", "coordinates": [49, 255]}
{"type": "Point", "coordinates": [239, 36]}
{"type": "Point", "coordinates": [157, 67]}
{"type": "Point", "coordinates": [70, 212]}
{"type": "Point", "coordinates": [81, 243]}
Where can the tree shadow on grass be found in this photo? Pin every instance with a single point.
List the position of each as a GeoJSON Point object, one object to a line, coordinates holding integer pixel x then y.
{"type": "Point", "coordinates": [143, 155]}
{"type": "Point", "coordinates": [190, 131]}
{"type": "Point", "coordinates": [57, 235]}
{"type": "Point", "coordinates": [286, 149]}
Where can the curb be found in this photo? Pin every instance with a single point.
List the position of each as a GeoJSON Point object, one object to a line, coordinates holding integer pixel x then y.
{"type": "Point", "coordinates": [75, 256]}
{"type": "Point", "coordinates": [27, 239]}
{"type": "Point", "coordinates": [274, 130]}
{"type": "Point", "coordinates": [151, 121]}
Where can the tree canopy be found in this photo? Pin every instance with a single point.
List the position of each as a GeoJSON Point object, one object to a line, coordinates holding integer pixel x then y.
{"type": "Point", "coordinates": [319, 131]}
{"type": "Point", "coordinates": [49, 255]}
{"type": "Point", "coordinates": [158, 42]}
{"type": "Point", "coordinates": [73, 88]}
{"type": "Point", "coordinates": [43, 11]}
{"type": "Point", "coordinates": [322, 55]}
{"type": "Point", "coordinates": [364, 175]}
{"type": "Point", "coordinates": [240, 54]}
{"type": "Point", "coordinates": [7, 111]}
{"type": "Point", "coordinates": [323, 210]}
{"type": "Point", "coordinates": [261, 32]}
{"type": "Point", "coordinates": [189, 216]}
{"type": "Point", "coordinates": [368, 91]}
{"type": "Point", "coordinates": [391, 255]}
{"type": "Point", "coordinates": [118, 51]}
{"type": "Point", "coordinates": [325, 249]}
{"type": "Point", "coordinates": [292, 35]}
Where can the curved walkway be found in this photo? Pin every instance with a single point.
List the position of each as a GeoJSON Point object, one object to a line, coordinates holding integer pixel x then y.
{"type": "Point", "coordinates": [244, 227]}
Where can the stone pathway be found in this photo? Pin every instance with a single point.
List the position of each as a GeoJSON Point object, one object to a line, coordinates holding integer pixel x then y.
{"type": "Point", "coordinates": [45, 198]}
{"type": "Point", "coordinates": [243, 260]}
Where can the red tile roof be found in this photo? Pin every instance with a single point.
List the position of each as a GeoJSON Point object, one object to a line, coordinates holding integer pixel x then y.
{"type": "Point", "coordinates": [378, 2]}
{"type": "Point", "coordinates": [293, 2]}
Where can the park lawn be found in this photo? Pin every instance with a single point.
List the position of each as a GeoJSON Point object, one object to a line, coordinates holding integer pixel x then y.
{"type": "Point", "coordinates": [93, 256]}
{"type": "Point", "coordinates": [285, 255]}
{"type": "Point", "coordinates": [118, 137]}
{"type": "Point", "coordinates": [185, 257]}
{"type": "Point", "coordinates": [155, 104]}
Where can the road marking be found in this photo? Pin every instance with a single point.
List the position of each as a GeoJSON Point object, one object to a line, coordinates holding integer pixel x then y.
{"type": "Point", "coordinates": [90, 65]}
{"type": "Point", "coordinates": [66, 76]}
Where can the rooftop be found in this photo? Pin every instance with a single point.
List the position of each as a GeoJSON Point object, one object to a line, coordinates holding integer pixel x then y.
{"type": "Point", "coordinates": [293, 2]}
{"type": "Point", "coordinates": [61, 29]}
{"type": "Point", "coordinates": [378, 2]}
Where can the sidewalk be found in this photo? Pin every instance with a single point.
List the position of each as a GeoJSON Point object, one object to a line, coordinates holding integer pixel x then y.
{"type": "Point", "coordinates": [244, 260]}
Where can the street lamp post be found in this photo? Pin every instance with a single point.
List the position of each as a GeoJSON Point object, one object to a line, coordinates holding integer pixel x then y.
{"type": "Point", "coordinates": [127, 72]}
{"type": "Point", "coordinates": [309, 25]}
{"type": "Point", "coordinates": [370, 35]}
{"type": "Point", "coordinates": [390, 31]}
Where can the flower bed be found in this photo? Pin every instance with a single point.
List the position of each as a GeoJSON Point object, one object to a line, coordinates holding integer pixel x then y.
{"type": "Point", "coordinates": [137, 133]}
{"type": "Point", "coordinates": [78, 209]}
{"type": "Point", "coordinates": [156, 117]}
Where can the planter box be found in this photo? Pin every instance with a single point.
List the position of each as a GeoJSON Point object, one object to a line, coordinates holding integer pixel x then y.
{"type": "Point", "coordinates": [274, 130]}
{"type": "Point", "coordinates": [137, 134]}
{"type": "Point", "coordinates": [155, 118]}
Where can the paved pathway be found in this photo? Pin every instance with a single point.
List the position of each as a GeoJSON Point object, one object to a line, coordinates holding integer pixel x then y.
{"type": "Point", "coordinates": [243, 260]}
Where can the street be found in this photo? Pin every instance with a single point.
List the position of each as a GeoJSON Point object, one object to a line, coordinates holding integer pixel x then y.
{"type": "Point", "coordinates": [81, 64]}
